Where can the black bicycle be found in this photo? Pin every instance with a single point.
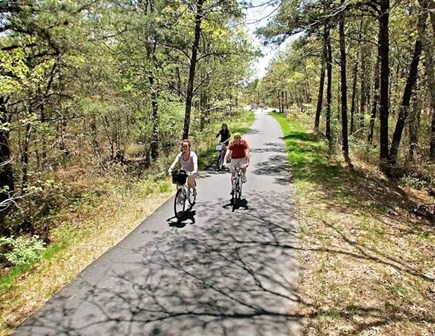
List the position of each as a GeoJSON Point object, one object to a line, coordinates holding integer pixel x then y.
{"type": "Point", "coordinates": [237, 183]}
{"type": "Point", "coordinates": [185, 197]}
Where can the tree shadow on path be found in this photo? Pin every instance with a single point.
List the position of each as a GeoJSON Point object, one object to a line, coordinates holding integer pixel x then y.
{"type": "Point", "coordinates": [223, 277]}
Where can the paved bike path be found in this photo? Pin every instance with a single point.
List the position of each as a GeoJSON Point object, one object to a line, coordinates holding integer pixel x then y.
{"type": "Point", "coordinates": [217, 273]}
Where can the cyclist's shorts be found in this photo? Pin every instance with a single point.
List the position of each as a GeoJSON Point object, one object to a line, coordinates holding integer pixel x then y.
{"type": "Point", "coordinates": [237, 162]}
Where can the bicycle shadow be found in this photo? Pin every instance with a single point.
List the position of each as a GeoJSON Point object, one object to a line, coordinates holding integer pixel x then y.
{"type": "Point", "coordinates": [240, 204]}
{"type": "Point", "coordinates": [188, 218]}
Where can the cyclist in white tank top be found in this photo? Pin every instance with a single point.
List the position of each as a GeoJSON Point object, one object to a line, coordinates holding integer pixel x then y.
{"type": "Point", "coordinates": [189, 164]}
{"type": "Point", "coordinates": [187, 160]}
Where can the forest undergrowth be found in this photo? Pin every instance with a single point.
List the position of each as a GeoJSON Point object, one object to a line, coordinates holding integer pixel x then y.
{"type": "Point", "coordinates": [365, 258]}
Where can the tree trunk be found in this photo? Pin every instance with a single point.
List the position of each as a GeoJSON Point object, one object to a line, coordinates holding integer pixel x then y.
{"type": "Point", "coordinates": [363, 93]}
{"type": "Point", "coordinates": [192, 69]}
{"type": "Point", "coordinates": [362, 58]}
{"type": "Point", "coordinates": [179, 84]}
{"type": "Point", "coordinates": [339, 98]}
{"type": "Point", "coordinates": [430, 68]}
{"type": "Point", "coordinates": [203, 109]}
{"type": "Point", "coordinates": [321, 85]}
{"type": "Point", "coordinates": [413, 126]}
{"type": "Point", "coordinates": [328, 87]}
{"type": "Point", "coordinates": [407, 93]}
{"type": "Point", "coordinates": [154, 145]}
{"type": "Point", "coordinates": [376, 98]}
{"type": "Point", "coordinates": [384, 51]}
{"type": "Point", "coordinates": [353, 103]}
{"type": "Point", "coordinates": [344, 130]}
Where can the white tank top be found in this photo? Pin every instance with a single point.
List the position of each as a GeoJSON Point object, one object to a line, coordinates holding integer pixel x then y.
{"type": "Point", "coordinates": [187, 165]}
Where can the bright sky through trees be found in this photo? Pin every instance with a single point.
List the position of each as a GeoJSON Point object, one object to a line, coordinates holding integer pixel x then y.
{"type": "Point", "coordinates": [257, 16]}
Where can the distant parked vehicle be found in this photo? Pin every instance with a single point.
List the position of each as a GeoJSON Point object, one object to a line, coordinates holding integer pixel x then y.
{"type": "Point", "coordinates": [254, 107]}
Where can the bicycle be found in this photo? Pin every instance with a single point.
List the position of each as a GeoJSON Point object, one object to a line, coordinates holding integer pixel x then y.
{"type": "Point", "coordinates": [236, 181]}
{"type": "Point", "coordinates": [221, 148]}
{"type": "Point", "coordinates": [184, 195]}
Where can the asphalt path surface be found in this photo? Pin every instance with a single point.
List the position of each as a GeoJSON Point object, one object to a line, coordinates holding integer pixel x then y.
{"type": "Point", "coordinates": [218, 272]}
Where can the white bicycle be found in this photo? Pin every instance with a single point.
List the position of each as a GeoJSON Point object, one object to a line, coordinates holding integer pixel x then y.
{"type": "Point", "coordinates": [237, 183]}
{"type": "Point", "coordinates": [221, 148]}
{"type": "Point", "coordinates": [185, 197]}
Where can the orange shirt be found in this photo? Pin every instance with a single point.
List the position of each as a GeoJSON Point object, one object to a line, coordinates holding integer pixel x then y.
{"type": "Point", "coordinates": [238, 151]}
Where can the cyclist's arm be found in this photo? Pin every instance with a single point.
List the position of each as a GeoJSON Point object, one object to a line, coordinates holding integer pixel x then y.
{"type": "Point", "coordinates": [195, 164]}
{"type": "Point", "coordinates": [227, 155]}
{"type": "Point", "coordinates": [247, 155]}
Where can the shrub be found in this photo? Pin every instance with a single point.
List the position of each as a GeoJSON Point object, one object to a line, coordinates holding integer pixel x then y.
{"type": "Point", "coordinates": [413, 181]}
{"type": "Point", "coordinates": [22, 250]}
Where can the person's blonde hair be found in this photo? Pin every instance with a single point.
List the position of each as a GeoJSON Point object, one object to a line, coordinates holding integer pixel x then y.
{"type": "Point", "coordinates": [237, 135]}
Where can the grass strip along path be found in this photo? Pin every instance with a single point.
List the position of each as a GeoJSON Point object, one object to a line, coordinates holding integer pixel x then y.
{"type": "Point", "coordinates": [366, 263]}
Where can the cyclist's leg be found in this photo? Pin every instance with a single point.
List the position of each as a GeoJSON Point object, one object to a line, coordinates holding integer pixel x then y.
{"type": "Point", "coordinates": [233, 163]}
{"type": "Point", "coordinates": [191, 183]}
{"type": "Point", "coordinates": [242, 162]}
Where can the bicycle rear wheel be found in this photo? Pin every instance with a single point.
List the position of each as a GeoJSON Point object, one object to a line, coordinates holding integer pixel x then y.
{"type": "Point", "coordinates": [179, 203]}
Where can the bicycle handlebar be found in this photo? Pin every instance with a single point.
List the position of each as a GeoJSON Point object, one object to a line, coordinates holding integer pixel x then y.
{"type": "Point", "coordinates": [171, 171]}
{"type": "Point", "coordinates": [241, 166]}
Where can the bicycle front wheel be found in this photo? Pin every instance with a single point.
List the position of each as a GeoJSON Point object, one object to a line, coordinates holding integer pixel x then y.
{"type": "Point", "coordinates": [221, 160]}
{"type": "Point", "coordinates": [192, 197]}
{"type": "Point", "coordinates": [236, 194]}
{"type": "Point", "coordinates": [179, 203]}
{"type": "Point", "coordinates": [238, 190]}
{"type": "Point", "coordinates": [240, 185]}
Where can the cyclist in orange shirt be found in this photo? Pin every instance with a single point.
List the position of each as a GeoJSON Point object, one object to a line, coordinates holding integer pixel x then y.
{"type": "Point", "coordinates": [238, 149]}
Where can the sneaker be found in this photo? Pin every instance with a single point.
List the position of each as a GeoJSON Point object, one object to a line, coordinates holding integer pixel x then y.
{"type": "Point", "coordinates": [244, 178]}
